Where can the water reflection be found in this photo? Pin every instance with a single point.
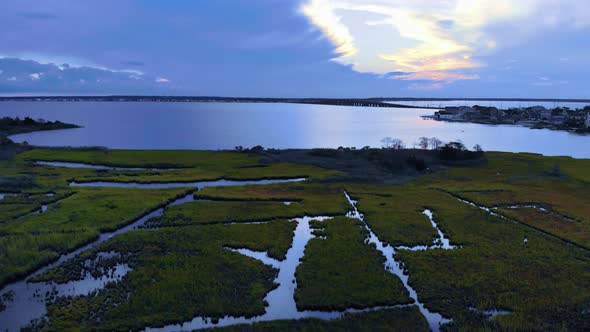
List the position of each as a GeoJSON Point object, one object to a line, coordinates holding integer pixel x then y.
{"type": "Point", "coordinates": [226, 125]}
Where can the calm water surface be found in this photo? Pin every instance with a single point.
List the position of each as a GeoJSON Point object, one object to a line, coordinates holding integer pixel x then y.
{"type": "Point", "coordinates": [226, 125]}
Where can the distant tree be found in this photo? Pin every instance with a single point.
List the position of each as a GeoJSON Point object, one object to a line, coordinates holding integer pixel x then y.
{"type": "Point", "coordinates": [423, 143]}
{"type": "Point", "coordinates": [477, 148]}
{"type": "Point", "coordinates": [386, 142]}
{"type": "Point", "coordinates": [239, 148]}
{"type": "Point", "coordinates": [393, 143]}
{"type": "Point", "coordinates": [28, 121]}
{"type": "Point", "coordinates": [257, 148]}
{"type": "Point", "coordinates": [453, 151]}
{"type": "Point", "coordinates": [435, 143]}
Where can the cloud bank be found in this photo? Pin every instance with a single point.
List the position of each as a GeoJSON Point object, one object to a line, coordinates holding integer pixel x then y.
{"type": "Point", "coordinates": [433, 40]}
{"type": "Point", "coordinates": [17, 75]}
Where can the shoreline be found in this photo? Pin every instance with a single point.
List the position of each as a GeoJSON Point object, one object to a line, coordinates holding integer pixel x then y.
{"type": "Point", "coordinates": [526, 124]}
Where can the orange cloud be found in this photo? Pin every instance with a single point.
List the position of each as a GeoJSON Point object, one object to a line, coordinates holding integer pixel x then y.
{"type": "Point", "coordinates": [435, 76]}
{"type": "Point", "coordinates": [408, 36]}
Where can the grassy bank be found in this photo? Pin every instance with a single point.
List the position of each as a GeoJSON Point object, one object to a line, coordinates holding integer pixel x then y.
{"type": "Point", "coordinates": [323, 284]}
{"type": "Point", "coordinates": [256, 203]}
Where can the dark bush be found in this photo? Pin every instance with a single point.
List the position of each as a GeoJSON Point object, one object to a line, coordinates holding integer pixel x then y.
{"type": "Point", "coordinates": [458, 151]}
{"type": "Point", "coordinates": [323, 152]}
{"type": "Point", "coordinates": [418, 163]}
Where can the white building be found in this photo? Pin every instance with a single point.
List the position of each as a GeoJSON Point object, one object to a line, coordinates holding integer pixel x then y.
{"type": "Point", "coordinates": [587, 120]}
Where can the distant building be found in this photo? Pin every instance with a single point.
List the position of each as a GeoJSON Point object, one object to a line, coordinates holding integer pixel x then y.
{"type": "Point", "coordinates": [445, 115]}
{"type": "Point", "coordinates": [546, 114]}
{"type": "Point", "coordinates": [587, 120]}
{"type": "Point", "coordinates": [538, 108]}
{"type": "Point", "coordinates": [537, 112]}
{"type": "Point", "coordinates": [577, 116]}
{"type": "Point", "coordinates": [459, 110]}
{"type": "Point", "coordinates": [558, 119]}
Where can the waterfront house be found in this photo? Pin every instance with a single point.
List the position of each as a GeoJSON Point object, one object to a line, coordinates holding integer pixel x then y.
{"type": "Point", "coordinates": [546, 114]}
{"type": "Point", "coordinates": [445, 115]}
{"type": "Point", "coordinates": [558, 119]}
{"type": "Point", "coordinates": [587, 120]}
{"type": "Point", "coordinates": [537, 112]}
{"type": "Point", "coordinates": [459, 110]}
{"type": "Point", "coordinates": [576, 116]}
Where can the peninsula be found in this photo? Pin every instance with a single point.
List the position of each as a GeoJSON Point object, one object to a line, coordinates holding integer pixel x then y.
{"type": "Point", "coordinates": [560, 118]}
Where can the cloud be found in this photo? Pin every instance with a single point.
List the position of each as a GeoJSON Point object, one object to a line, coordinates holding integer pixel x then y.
{"type": "Point", "coordinates": [432, 40]}
{"type": "Point", "coordinates": [436, 76]}
{"type": "Point", "coordinates": [426, 86]}
{"type": "Point", "coordinates": [322, 14]}
{"type": "Point", "coordinates": [34, 77]}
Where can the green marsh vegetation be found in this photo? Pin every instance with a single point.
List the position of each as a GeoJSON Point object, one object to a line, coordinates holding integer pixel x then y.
{"type": "Point", "coordinates": [258, 203]}
{"type": "Point", "coordinates": [185, 166]}
{"type": "Point", "coordinates": [177, 273]}
{"type": "Point", "coordinates": [18, 205]}
{"type": "Point", "coordinates": [539, 279]}
{"type": "Point", "coordinates": [36, 239]}
{"type": "Point", "coordinates": [525, 179]}
{"type": "Point", "coordinates": [323, 283]}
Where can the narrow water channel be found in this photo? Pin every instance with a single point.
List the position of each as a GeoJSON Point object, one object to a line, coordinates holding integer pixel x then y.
{"type": "Point", "coordinates": [281, 300]}
{"type": "Point", "coordinates": [98, 167]}
{"type": "Point", "coordinates": [29, 300]}
{"type": "Point", "coordinates": [165, 185]}
{"type": "Point", "coordinates": [435, 320]}
{"type": "Point", "coordinates": [491, 212]}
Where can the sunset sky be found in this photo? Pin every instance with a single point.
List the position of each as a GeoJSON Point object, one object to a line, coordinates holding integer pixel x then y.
{"type": "Point", "coordinates": [309, 48]}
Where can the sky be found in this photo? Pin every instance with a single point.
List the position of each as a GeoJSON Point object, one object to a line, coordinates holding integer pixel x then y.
{"type": "Point", "coordinates": [299, 48]}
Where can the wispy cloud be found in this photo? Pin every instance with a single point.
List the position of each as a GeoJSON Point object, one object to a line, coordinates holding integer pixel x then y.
{"type": "Point", "coordinates": [429, 40]}
{"type": "Point", "coordinates": [322, 14]}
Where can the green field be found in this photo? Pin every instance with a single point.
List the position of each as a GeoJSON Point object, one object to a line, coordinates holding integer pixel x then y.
{"type": "Point", "coordinates": [534, 263]}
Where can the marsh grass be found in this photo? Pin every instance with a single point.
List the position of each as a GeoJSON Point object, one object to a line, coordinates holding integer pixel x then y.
{"type": "Point", "coordinates": [257, 203]}
{"type": "Point", "coordinates": [342, 272]}
{"type": "Point", "coordinates": [177, 273]}
{"type": "Point", "coordinates": [35, 240]}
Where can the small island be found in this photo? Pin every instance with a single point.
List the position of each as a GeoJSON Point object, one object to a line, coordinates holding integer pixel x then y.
{"type": "Point", "coordinates": [560, 118]}
{"type": "Point", "coordinates": [12, 126]}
